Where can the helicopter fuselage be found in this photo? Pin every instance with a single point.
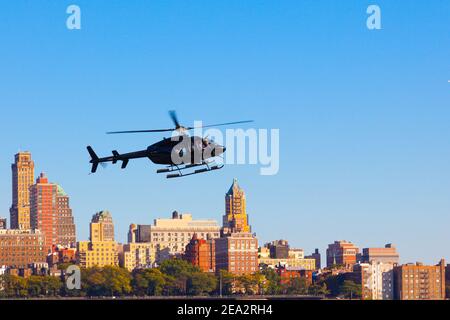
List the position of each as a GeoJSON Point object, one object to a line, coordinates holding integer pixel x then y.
{"type": "Point", "coordinates": [169, 151]}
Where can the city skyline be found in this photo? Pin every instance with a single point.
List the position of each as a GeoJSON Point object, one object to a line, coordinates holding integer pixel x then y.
{"type": "Point", "coordinates": [363, 114]}
{"type": "Point", "coordinates": [232, 209]}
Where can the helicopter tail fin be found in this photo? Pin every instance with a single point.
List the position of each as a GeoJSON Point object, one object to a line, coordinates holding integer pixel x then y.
{"type": "Point", "coordinates": [94, 159]}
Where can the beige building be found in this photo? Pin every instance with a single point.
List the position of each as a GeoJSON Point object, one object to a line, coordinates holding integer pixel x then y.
{"type": "Point", "coordinates": [98, 251]}
{"type": "Point", "coordinates": [22, 180]}
{"type": "Point", "coordinates": [102, 227]}
{"type": "Point", "coordinates": [388, 254]}
{"type": "Point", "coordinates": [138, 256]}
{"type": "Point", "coordinates": [171, 236]}
{"type": "Point", "coordinates": [305, 264]}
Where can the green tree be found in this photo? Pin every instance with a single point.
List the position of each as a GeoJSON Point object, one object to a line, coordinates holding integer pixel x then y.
{"type": "Point", "coordinates": [177, 274]}
{"type": "Point", "coordinates": [318, 289]}
{"type": "Point", "coordinates": [200, 283]}
{"type": "Point", "coordinates": [14, 286]}
{"type": "Point", "coordinates": [297, 286]}
{"type": "Point", "coordinates": [149, 282]}
{"type": "Point", "coordinates": [117, 280]}
{"type": "Point", "coordinates": [273, 279]}
{"type": "Point", "coordinates": [228, 282]}
{"type": "Point", "coordinates": [106, 281]}
{"type": "Point", "coordinates": [350, 289]}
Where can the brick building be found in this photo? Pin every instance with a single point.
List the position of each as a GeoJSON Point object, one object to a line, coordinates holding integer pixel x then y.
{"type": "Point", "coordinates": [420, 282]}
{"type": "Point", "coordinates": [201, 253]}
{"type": "Point", "coordinates": [342, 253]}
{"type": "Point", "coordinates": [19, 248]}
{"type": "Point", "coordinates": [237, 253]}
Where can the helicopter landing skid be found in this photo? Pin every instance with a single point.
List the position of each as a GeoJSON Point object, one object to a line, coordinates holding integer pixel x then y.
{"type": "Point", "coordinates": [208, 166]}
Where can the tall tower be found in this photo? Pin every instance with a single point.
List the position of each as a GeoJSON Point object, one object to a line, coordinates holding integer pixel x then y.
{"type": "Point", "coordinates": [102, 227]}
{"type": "Point", "coordinates": [235, 219]}
{"type": "Point", "coordinates": [22, 180]}
{"type": "Point", "coordinates": [50, 212]}
{"type": "Point", "coordinates": [66, 235]}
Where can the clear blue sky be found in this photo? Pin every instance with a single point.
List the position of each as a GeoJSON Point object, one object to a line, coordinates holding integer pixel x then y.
{"type": "Point", "coordinates": [363, 115]}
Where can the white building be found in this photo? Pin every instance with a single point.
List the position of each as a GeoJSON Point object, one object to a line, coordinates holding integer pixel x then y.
{"type": "Point", "coordinates": [377, 280]}
{"type": "Point", "coordinates": [171, 236]}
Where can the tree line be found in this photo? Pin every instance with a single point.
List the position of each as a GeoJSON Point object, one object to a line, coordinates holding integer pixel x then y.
{"type": "Point", "coordinates": [172, 278]}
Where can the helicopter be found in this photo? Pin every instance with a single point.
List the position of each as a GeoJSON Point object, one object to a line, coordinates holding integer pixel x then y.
{"type": "Point", "coordinates": [178, 154]}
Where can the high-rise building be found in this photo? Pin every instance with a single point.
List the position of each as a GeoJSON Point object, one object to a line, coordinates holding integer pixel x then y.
{"type": "Point", "coordinates": [237, 253]}
{"type": "Point", "coordinates": [65, 224]}
{"type": "Point", "coordinates": [19, 248]}
{"type": "Point", "coordinates": [3, 224]}
{"type": "Point", "coordinates": [201, 253]}
{"type": "Point", "coordinates": [341, 253]}
{"type": "Point", "coordinates": [388, 254]}
{"type": "Point", "coordinates": [50, 212]}
{"type": "Point", "coordinates": [317, 257]}
{"type": "Point", "coordinates": [235, 219]}
{"type": "Point", "coordinates": [102, 227]}
{"type": "Point", "coordinates": [419, 282]}
{"type": "Point", "coordinates": [171, 236]}
{"type": "Point", "coordinates": [22, 180]}
{"type": "Point", "coordinates": [101, 250]}
{"type": "Point", "coordinates": [377, 280]}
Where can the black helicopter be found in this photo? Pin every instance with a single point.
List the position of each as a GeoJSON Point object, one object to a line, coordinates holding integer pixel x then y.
{"type": "Point", "coordinates": [178, 153]}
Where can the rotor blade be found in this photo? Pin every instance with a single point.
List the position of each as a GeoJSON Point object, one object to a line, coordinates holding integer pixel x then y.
{"type": "Point", "coordinates": [173, 116]}
{"type": "Point", "coordinates": [220, 124]}
{"type": "Point", "coordinates": [140, 131]}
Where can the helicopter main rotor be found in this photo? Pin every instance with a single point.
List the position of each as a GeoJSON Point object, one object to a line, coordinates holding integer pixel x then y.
{"type": "Point", "coordinates": [178, 127]}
